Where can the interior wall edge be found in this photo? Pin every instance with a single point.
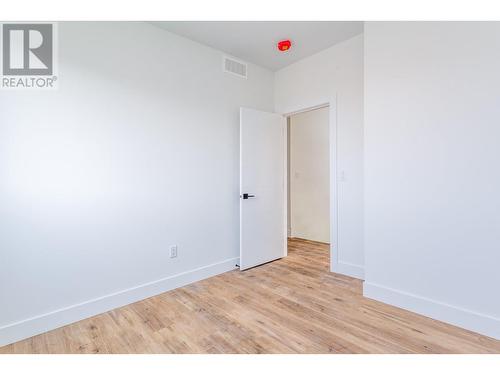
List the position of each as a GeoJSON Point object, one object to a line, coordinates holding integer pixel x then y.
{"type": "Point", "coordinates": [349, 269]}
{"type": "Point", "coordinates": [471, 320]}
{"type": "Point", "coordinates": [71, 314]}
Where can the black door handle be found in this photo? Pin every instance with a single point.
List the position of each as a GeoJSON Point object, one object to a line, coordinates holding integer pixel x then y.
{"type": "Point", "coordinates": [246, 196]}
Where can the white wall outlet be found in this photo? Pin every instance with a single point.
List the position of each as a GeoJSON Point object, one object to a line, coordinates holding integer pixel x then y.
{"type": "Point", "coordinates": [173, 251]}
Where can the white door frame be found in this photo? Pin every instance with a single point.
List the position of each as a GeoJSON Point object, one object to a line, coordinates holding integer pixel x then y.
{"type": "Point", "coordinates": [332, 118]}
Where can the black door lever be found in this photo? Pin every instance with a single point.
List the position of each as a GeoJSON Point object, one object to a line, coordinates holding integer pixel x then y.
{"type": "Point", "coordinates": [246, 196]}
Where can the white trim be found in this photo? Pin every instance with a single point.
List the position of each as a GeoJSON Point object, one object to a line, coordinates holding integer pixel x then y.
{"type": "Point", "coordinates": [334, 195]}
{"type": "Point", "coordinates": [308, 109]}
{"type": "Point", "coordinates": [349, 269]}
{"type": "Point", "coordinates": [71, 314]}
{"type": "Point", "coordinates": [335, 265]}
{"type": "Point", "coordinates": [471, 320]}
{"type": "Point", "coordinates": [285, 186]}
{"type": "Point", "coordinates": [240, 201]}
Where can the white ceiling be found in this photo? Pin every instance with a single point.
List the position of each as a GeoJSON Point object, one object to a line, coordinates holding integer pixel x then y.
{"type": "Point", "coordinates": [256, 41]}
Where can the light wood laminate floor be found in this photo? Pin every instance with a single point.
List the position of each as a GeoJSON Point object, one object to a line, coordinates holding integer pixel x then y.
{"type": "Point", "coordinates": [293, 305]}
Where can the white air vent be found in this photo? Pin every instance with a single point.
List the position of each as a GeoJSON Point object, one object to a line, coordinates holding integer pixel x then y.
{"type": "Point", "coordinates": [236, 67]}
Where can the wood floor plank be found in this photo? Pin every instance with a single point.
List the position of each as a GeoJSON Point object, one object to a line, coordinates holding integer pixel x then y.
{"type": "Point", "coordinates": [293, 305]}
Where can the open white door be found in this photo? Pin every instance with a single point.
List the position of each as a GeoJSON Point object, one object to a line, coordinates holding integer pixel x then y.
{"type": "Point", "coordinates": [262, 187]}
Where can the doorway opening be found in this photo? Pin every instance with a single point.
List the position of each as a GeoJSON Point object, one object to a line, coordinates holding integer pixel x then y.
{"type": "Point", "coordinates": [308, 179]}
{"type": "Point", "coordinates": [270, 176]}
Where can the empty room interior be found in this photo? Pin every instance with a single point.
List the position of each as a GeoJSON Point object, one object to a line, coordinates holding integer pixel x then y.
{"type": "Point", "coordinates": [250, 187]}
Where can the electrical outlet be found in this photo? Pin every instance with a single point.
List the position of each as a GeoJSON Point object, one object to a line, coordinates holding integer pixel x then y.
{"type": "Point", "coordinates": [173, 251]}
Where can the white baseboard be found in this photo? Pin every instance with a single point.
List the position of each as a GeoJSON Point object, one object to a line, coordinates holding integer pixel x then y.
{"type": "Point", "coordinates": [55, 319]}
{"type": "Point", "coordinates": [349, 269]}
{"type": "Point", "coordinates": [471, 320]}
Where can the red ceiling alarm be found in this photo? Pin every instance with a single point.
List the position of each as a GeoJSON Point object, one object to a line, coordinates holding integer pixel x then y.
{"type": "Point", "coordinates": [284, 45]}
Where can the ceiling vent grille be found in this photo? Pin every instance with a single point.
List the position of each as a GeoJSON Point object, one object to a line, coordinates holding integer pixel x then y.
{"type": "Point", "coordinates": [235, 67]}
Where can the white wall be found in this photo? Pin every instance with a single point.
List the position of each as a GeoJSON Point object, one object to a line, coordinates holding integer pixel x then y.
{"type": "Point", "coordinates": [310, 175]}
{"type": "Point", "coordinates": [432, 181]}
{"type": "Point", "coordinates": [337, 71]}
{"type": "Point", "coordinates": [137, 150]}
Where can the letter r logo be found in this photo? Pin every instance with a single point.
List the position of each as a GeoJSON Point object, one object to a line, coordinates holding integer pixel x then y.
{"type": "Point", "coordinates": [27, 49]}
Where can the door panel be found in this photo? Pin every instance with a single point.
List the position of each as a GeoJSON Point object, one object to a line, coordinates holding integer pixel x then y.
{"type": "Point", "coordinates": [262, 177]}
